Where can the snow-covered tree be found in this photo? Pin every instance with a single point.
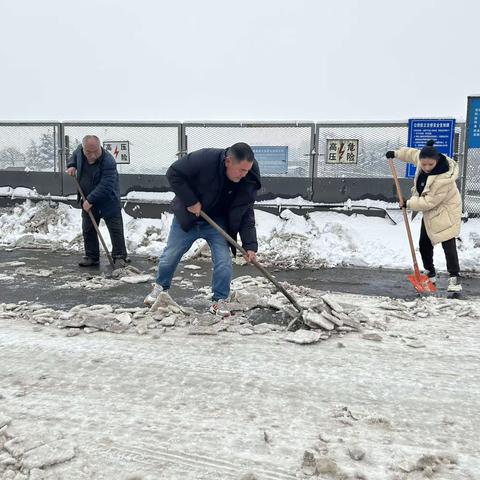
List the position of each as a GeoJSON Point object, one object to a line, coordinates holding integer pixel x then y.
{"type": "Point", "coordinates": [11, 157]}
{"type": "Point", "coordinates": [46, 153]}
{"type": "Point", "coordinates": [31, 156]}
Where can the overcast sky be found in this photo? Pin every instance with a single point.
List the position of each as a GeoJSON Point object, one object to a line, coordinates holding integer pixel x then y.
{"type": "Point", "coordinates": [237, 60]}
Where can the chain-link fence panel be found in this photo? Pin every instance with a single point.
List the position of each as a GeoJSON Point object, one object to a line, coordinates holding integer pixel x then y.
{"type": "Point", "coordinates": [458, 144]}
{"type": "Point", "coordinates": [29, 147]}
{"type": "Point", "coordinates": [472, 183]}
{"type": "Point", "coordinates": [281, 149]}
{"type": "Point", "coordinates": [471, 174]}
{"type": "Point", "coordinates": [373, 141]}
{"type": "Point", "coordinates": [153, 147]}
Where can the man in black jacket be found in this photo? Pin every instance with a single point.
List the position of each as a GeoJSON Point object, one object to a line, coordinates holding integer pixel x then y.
{"type": "Point", "coordinates": [224, 184]}
{"type": "Point", "coordinates": [97, 174]}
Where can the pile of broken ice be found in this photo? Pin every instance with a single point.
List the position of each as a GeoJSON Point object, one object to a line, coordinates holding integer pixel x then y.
{"type": "Point", "coordinates": [251, 304]}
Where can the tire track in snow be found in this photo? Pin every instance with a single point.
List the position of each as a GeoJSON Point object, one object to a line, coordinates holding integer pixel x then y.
{"type": "Point", "coordinates": [148, 456]}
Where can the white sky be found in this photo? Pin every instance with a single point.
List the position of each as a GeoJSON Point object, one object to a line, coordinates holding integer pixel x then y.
{"type": "Point", "coordinates": [237, 60]}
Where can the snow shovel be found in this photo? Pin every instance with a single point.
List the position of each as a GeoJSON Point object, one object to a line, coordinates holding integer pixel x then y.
{"type": "Point", "coordinates": [262, 269]}
{"type": "Point", "coordinates": [420, 282]}
{"type": "Point", "coordinates": [92, 218]}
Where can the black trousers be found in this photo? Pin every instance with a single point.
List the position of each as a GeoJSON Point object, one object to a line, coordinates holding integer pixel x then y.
{"type": "Point", "coordinates": [449, 247]}
{"type": "Point", "coordinates": [90, 238]}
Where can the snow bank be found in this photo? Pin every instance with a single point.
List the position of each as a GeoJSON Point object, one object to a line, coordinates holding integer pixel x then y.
{"type": "Point", "coordinates": [319, 239]}
{"type": "Point", "coordinates": [301, 202]}
{"type": "Point", "coordinates": [30, 224]}
{"type": "Point", "coordinates": [332, 239]}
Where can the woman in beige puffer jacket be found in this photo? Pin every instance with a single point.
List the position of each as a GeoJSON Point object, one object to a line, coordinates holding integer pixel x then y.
{"type": "Point", "coordinates": [435, 193]}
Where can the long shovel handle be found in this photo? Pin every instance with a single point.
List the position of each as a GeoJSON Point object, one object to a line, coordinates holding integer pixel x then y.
{"type": "Point", "coordinates": [405, 216]}
{"type": "Point", "coordinates": [92, 218]}
{"type": "Point", "coordinates": [262, 269]}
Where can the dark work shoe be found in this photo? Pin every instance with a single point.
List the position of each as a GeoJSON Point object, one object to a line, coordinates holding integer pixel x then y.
{"type": "Point", "coordinates": [121, 262]}
{"type": "Point", "coordinates": [88, 262]}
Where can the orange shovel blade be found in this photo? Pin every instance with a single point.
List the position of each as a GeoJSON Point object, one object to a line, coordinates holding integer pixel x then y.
{"type": "Point", "coordinates": [422, 283]}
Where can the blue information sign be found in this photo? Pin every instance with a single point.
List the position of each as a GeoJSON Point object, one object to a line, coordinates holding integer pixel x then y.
{"type": "Point", "coordinates": [420, 131]}
{"type": "Point", "coordinates": [271, 159]}
{"type": "Point", "coordinates": [473, 125]}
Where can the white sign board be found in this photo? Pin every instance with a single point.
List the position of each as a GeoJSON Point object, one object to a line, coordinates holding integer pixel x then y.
{"type": "Point", "coordinates": [342, 151]}
{"type": "Point", "coordinates": [119, 150]}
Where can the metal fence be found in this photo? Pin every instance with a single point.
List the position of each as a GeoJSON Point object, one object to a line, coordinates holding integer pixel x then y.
{"type": "Point", "coordinates": [374, 139]}
{"type": "Point", "coordinates": [153, 146]}
{"type": "Point", "coordinates": [44, 147]}
{"type": "Point", "coordinates": [471, 177]}
{"type": "Point", "coordinates": [30, 146]}
{"type": "Point", "coordinates": [298, 138]}
{"type": "Point", "coordinates": [471, 186]}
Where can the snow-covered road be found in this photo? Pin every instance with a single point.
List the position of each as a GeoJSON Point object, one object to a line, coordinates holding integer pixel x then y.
{"type": "Point", "coordinates": [177, 406]}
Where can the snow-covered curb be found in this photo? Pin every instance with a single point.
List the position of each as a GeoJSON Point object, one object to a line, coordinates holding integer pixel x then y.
{"type": "Point", "coordinates": [167, 197]}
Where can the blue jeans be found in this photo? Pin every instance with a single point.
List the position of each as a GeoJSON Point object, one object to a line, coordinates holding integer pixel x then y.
{"type": "Point", "coordinates": [179, 242]}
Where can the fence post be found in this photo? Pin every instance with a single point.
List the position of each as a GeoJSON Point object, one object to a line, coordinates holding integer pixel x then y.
{"type": "Point", "coordinates": [182, 150]}
{"type": "Point", "coordinates": [459, 156]}
{"type": "Point", "coordinates": [60, 154]}
{"type": "Point", "coordinates": [313, 159]}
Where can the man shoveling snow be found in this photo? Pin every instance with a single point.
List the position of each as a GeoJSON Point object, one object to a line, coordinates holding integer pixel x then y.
{"type": "Point", "coordinates": [98, 179]}
{"type": "Point", "coordinates": [222, 183]}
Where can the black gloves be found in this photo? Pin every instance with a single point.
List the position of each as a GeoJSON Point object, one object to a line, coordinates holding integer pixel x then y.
{"type": "Point", "coordinates": [390, 154]}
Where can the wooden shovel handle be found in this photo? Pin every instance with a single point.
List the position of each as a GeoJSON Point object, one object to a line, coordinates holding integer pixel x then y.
{"type": "Point", "coordinates": [94, 223]}
{"type": "Point", "coordinates": [262, 269]}
{"type": "Point", "coordinates": [405, 217]}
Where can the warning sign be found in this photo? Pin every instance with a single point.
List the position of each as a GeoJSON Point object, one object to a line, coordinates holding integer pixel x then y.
{"type": "Point", "coordinates": [119, 149]}
{"type": "Point", "coordinates": [342, 151]}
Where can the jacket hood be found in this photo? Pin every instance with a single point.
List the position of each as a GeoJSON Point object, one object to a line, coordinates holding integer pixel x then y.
{"type": "Point", "coordinates": [448, 175]}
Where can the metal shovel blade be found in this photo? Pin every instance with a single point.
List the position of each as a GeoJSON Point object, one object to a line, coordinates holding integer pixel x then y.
{"type": "Point", "coordinates": [422, 283]}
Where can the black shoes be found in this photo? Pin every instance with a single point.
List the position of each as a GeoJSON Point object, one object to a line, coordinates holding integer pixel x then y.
{"type": "Point", "coordinates": [93, 262]}
{"type": "Point", "coordinates": [88, 262]}
{"type": "Point", "coordinates": [121, 262]}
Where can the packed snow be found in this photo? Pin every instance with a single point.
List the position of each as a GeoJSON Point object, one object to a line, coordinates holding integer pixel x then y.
{"type": "Point", "coordinates": [395, 397]}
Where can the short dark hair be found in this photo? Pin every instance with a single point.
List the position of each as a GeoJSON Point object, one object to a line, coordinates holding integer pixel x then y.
{"type": "Point", "coordinates": [241, 151]}
{"type": "Point", "coordinates": [429, 151]}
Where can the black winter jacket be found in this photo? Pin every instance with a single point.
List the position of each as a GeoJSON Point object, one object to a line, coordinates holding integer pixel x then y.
{"type": "Point", "coordinates": [199, 177]}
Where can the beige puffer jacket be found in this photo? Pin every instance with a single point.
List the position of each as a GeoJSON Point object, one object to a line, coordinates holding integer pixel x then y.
{"type": "Point", "coordinates": [440, 201]}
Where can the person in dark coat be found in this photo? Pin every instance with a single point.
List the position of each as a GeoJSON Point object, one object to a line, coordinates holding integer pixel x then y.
{"type": "Point", "coordinates": [224, 184]}
{"type": "Point", "coordinates": [96, 171]}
